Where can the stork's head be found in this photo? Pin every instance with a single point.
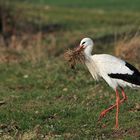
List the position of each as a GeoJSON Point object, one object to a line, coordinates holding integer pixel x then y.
{"type": "Point", "coordinates": [86, 45]}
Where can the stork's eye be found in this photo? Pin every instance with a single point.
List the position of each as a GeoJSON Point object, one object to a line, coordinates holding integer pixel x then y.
{"type": "Point", "coordinates": [83, 43]}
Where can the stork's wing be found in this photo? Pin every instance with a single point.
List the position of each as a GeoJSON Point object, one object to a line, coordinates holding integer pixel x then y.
{"type": "Point", "coordinates": [118, 69]}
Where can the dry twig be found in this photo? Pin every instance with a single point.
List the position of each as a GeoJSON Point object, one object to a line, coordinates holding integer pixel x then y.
{"type": "Point", "coordinates": [73, 57]}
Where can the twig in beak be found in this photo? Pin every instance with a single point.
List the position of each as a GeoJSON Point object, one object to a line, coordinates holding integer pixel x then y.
{"type": "Point", "coordinates": [74, 56]}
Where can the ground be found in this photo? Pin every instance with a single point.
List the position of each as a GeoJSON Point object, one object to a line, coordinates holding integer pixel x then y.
{"type": "Point", "coordinates": [41, 97]}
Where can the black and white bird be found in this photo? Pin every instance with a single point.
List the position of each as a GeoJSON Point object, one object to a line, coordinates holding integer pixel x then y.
{"type": "Point", "coordinates": [116, 72]}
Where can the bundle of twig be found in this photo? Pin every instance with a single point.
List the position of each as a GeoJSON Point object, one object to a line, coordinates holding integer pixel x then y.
{"type": "Point", "coordinates": [73, 57]}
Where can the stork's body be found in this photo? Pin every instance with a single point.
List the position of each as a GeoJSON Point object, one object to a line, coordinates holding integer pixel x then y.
{"type": "Point", "coordinates": [116, 72]}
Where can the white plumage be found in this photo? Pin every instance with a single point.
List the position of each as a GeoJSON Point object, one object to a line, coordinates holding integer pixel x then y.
{"type": "Point", "coordinates": [103, 64]}
{"type": "Point", "coordinates": [116, 72]}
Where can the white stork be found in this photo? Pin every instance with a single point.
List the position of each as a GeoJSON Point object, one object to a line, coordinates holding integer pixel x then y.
{"type": "Point", "coordinates": [116, 72]}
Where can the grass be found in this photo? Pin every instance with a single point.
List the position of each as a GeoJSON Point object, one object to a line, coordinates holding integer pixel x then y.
{"type": "Point", "coordinates": [44, 98]}
{"type": "Point", "coordinates": [105, 5]}
{"type": "Point", "coordinates": [61, 106]}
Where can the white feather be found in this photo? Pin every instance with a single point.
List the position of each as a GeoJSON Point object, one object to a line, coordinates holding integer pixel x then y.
{"type": "Point", "coordinates": [93, 69]}
{"type": "Point", "coordinates": [108, 64]}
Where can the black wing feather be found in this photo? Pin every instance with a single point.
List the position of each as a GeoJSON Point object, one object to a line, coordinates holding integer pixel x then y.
{"type": "Point", "coordinates": [134, 78]}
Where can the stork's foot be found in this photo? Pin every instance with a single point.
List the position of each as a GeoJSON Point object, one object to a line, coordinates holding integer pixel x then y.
{"type": "Point", "coordinates": [103, 113]}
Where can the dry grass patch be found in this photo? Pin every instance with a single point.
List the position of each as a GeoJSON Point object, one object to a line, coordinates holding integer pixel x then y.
{"type": "Point", "coordinates": [27, 48]}
{"type": "Point", "coordinates": [129, 49]}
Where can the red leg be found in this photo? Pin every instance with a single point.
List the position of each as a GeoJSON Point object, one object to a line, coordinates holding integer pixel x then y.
{"type": "Point", "coordinates": [103, 113]}
{"type": "Point", "coordinates": [124, 95]}
{"type": "Point", "coordinates": [117, 108]}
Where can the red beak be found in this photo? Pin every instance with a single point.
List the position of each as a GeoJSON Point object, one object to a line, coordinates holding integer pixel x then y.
{"type": "Point", "coordinates": [79, 48]}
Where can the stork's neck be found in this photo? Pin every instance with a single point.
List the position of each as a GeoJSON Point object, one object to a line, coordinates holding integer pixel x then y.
{"type": "Point", "coordinates": [88, 51]}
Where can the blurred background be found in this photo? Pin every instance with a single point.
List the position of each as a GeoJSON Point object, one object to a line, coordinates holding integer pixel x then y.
{"type": "Point", "coordinates": [40, 96]}
{"type": "Point", "coordinates": [53, 26]}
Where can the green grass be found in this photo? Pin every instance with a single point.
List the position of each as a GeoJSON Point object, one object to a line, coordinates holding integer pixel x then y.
{"type": "Point", "coordinates": [60, 102]}
{"type": "Point", "coordinates": [94, 4]}
{"type": "Point", "coordinates": [63, 103]}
